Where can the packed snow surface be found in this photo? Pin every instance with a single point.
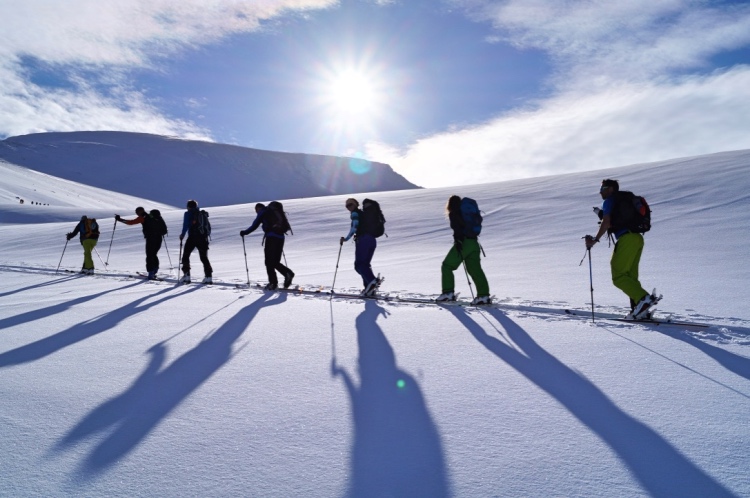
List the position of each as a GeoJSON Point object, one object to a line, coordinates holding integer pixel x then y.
{"type": "Point", "coordinates": [114, 386]}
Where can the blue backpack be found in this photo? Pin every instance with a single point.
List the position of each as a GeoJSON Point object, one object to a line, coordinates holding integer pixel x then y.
{"type": "Point", "coordinates": [472, 218]}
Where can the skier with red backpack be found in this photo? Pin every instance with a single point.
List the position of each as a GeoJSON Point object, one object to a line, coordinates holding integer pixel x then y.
{"type": "Point", "coordinates": [275, 225]}
{"type": "Point", "coordinates": [625, 217]}
{"type": "Point", "coordinates": [154, 229]}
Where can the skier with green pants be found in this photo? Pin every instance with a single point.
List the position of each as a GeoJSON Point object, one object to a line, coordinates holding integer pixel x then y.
{"type": "Point", "coordinates": [465, 250]}
{"type": "Point", "coordinates": [89, 230]}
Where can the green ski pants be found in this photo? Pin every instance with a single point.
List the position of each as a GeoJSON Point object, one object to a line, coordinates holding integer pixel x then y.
{"type": "Point", "coordinates": [453, 260]}
{"type": "Point", "coordinates": [624, 264]}
{"type": "Point", "coordinates": [88, 246]}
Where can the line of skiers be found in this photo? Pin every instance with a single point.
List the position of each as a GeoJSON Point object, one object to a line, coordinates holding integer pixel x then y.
{"type": "Point", "coordinates": [623, 216]}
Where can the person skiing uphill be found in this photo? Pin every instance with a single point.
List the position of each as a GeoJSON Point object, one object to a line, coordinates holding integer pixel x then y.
{"type": "Point", "coordinates": [195, 224]}
{"type": "Point", "coordinates": [89, 230]}
{"type": "Point", "coordinates": [154, 229]}
{"type": "Point", "coordinates": [466, 250]}
{"type": "Point", "coordinates": [628, 248]}
{"type": "Point", "coordinates": [365, 244]}
{"type": "Point", "coordinates": [273, 223]}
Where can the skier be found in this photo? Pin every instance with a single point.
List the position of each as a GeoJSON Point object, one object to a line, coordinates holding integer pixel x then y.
{"type": "Point", "coordinates": [89, 230]}
{"type": "Point", "coordinates": [195, 224]}
{"type": "Point", "coordinates": [365, 245]}
{"type": "Point", "coordinates": [273, 222]}
{"type": "Point", "coordinates": [154, 229]}
{"type": "Point", "coordinates": [465, 250]}
{"type": "Point", "coordinates": [627, 253]}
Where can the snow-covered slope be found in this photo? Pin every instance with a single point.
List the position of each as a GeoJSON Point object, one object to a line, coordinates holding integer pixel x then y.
{"type": "Point", "coordinates": [171, 170]}
{"type": "Point", "coordinates": [114, 386]}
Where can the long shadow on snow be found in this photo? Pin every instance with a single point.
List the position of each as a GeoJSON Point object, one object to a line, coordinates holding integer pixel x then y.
{"type": "Point", "coordinates": [397, 449]}
{"type": "Point", "coordinates": [735, 363]}
{"type": "Point", "coordinates": [132, 415]}
{"type": "Point", "coordinates": [659, 467]}
{"type": "Point", "coordinates": [81, 331]}
{"type": "Point", "coordinates": [33, 315]}
{"type": "Point", "coordinates": [43, 284]}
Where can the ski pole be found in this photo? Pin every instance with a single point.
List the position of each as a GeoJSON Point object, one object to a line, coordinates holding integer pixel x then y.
{"type": "Point", "coordinates": [171, 266]}
{"type": "Point", "coordinates": [100, 259]}
{"type": "Point", "coordinates": [247, 270]}
{"type": "Point", "coordinates": [341, 246]}
{"type": "Point", "coordinates": [178, 263]}
{"type": "Point", "coordinates": [110, 243]}
{"type": "Point", "coordinates": [61, 257]}
{"type": "Point", "coordinates": [466, 270]}
{"type": "Point", "coordinates": [591, 282]}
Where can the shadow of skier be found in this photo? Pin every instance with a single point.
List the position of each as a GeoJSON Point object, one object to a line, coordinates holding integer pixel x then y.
{"type": "Point", "coordinates": [659, 467]}
{"type": "Point", "coordinates": [30, 316]}
{"type": "Point", "coordinates": [60, 280]}
{"type": "Point", "coordinates": [397, 450]}
{"type": "Point", "coordinates": [81, 331]}
{"type": "Point", "coordinates": [132, 415]}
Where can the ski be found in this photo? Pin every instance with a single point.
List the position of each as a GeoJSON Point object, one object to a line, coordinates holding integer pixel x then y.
{"type": "Point", "coordinates": [645, 321]}
{"type": "Point", "coordinates": [145, 275]}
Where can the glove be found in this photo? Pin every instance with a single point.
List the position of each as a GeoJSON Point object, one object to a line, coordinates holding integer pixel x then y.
{"type": "Point", "coordinates": [243, 233]}
{"type": "Point", "coordinates": [182, 236]}
{"type": "Point", "coordinates": [69, 235]}
{"type": "Point", "coordinates": [341, 241]}
{"type": "Point", "coordinates": [117, 217]}
{"type": "Point", "coordinates": [590, 241]}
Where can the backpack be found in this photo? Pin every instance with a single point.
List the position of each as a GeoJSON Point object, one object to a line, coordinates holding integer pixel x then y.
{"type": "Point", "coordinates": [471, 217]}
{"type": "Point", "coordinates": [154, 225]}
{"type": "Point", "coordinates": [90, 228]}
{"type": "Point", "coordinates": [201, 225]}
{"type": "Point", "coordinates": [277, 219]}
{"type": "Point", "coordinates": [630, 212]}
{"type": "Point", "coordinates": [371, 219]}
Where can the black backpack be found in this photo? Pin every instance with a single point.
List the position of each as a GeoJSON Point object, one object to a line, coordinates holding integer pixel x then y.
{"type": "Point", "coordinates": [154, 225]}
{"type": "Point", "coordinates": [371, 220]}
{"type": "Point", "coordinates": [276, 218]}
{"type": "Point", "coordinates": [630, 212]}
{"type": "Point", "coordinates": [200, 224]}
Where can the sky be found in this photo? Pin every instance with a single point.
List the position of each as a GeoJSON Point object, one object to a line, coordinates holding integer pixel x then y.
{"type": "Point", "coordinates": [448, 92]}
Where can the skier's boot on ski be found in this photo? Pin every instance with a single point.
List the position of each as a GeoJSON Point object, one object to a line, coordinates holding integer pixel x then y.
{"type": "Point", "coordinates": [446, 296]}
{"type": "Point", "coordinates": [207, 280]}
{"type": "Point", "coordinates": [481, 300]}
{"type": "Point", "coordinates": [185, 279]}
{"type": "Point", "coordinates": [644, 307]}
{"type": "Point", "coordinates": [288, 279]}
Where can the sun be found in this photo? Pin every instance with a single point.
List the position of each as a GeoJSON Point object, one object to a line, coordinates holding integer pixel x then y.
{"type": "Point", "coordinates": [351, 93]}
{"type": "Point", "coordinates": [351, 96]}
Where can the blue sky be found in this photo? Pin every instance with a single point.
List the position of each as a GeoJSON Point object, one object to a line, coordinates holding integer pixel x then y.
{"type": "Point", "coordinates": [447, 92]}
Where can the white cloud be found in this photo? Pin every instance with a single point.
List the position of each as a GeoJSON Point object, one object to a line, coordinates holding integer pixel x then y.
{"type": "Point", "coordinates": [106, 38]}
{"type": "Point", "coordinates": [624, 95]}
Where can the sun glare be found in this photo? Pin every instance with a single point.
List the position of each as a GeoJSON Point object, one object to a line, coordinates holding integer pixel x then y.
{"type": "Point", "coordinates": [351, 92]}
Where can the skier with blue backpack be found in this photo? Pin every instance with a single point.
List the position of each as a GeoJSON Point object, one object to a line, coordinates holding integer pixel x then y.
{"type": "Point", "coordinates": [466, 223]}
{"type": "Point", "coordinates": [196, 225]}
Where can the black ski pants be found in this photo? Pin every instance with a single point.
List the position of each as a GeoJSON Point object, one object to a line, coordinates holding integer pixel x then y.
{"type": "Point", "coordinates": [274, 248]}
{"type": "Point", "coordinates": [200, 243]}
{"type": "Point", "coordinates": [153, 244]}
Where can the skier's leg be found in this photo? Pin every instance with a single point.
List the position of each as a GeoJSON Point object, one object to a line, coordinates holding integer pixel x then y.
{"type": "Point", "coordinates": [625, 258]}
{"type": "Point", "coordinates": [365, 250]}
{"type": "Point", "coordinates": [88, 246]}
{"type": "Point", "coordinates": [189, 246]}
{"type": "Point", "coordinates": [471, 255]}
{"type": "Point", "coordinates": [202, 246]}
{"type": "Point", "coordinates": [450, 264]}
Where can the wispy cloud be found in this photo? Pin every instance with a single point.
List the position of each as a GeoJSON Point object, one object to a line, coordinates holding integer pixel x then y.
{"type": "Point", "coordinates": [103, 40]}
{"type": "Point", "coordinates": [632, 84]}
